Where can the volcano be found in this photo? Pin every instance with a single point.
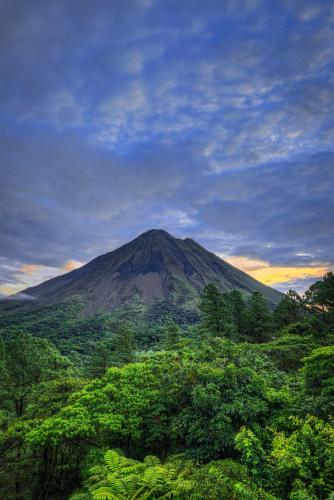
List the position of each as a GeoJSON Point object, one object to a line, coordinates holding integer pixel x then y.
{"type": "Point", "coordinates": [155, 266]}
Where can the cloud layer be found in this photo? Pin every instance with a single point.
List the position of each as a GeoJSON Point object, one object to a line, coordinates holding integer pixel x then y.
{"type": "Point", "coordinates": [211, 119]}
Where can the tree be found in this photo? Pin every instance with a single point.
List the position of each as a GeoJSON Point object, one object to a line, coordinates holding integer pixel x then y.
{"type": "Point", "coordinates": [318, 375]}
{"type": "Point", "coordinates": [258, 321]}
{"type": "Point", "coordinates": [35, 380]}
{"type": "Point", "coordinates": [124, 346]}
{"type": "Point", "coordinates": [296, 463]}
{"type": "Point", "coordinates": [211, 308]}
{"type": "Point", "coordinates": [238, 308]}
{"type": "Point", "coordinates": [302, 463]}
{"type": "Point", "coordinates": [25, 362]}
{"type": "Point", "coordinates": [172, 336]}
{"type": "Point", "coordinates": [225, 479]}
{"type": "Point", "coordinates": [320, 297]}
{"type": "Point", "coordinates": [100, 359]}
{"type": "Point", "coordinates": [252, 453]}
{"type": "Point", "coordinates": [290, 309]}
{"type": "Point", "coordinates": [216, 313]}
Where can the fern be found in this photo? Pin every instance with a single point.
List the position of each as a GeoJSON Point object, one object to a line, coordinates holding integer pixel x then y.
{"type": "Point", "coordinates": [112, 460]}
{"type": "Point", "coordinates": [105, 493]}
{"type": "Point", "coordinates": [122, 478]}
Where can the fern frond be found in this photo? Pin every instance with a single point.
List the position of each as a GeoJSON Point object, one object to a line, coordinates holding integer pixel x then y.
{"type": "Point", "coordinates": [98, 470]}
{"type": "Point", "coordinates": [132, 468]}
{"type": "Point", "coordinates": [184, 486]}
{"type": "Point", "coordinates": [96, 478]}
{"type": "Point", "coordinates": [116, 485]}
{"type": "Point", "coordinates": [112, 460]}
{"type": "Point", "coordinates": [154, 476]}
{"type": "Point", "coordinates": [105, 493]}
{"type": "Point", "coordinates": [98, 484]}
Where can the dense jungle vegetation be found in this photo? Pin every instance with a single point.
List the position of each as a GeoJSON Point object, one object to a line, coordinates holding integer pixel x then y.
{"type": "Point", "coordinates": [235, 402]}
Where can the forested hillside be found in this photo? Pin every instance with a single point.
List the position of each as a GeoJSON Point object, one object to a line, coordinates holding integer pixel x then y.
{"type": "Point", "coordinates": [235, 401]}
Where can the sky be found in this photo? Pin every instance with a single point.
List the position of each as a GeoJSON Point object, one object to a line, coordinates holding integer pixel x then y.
{"type": "Point", "coordinates": [211, 119]}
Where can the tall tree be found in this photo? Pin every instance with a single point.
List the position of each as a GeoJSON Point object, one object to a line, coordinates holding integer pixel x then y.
{"type": "Point", "coordinates": [211, 307]}
{"type": "Point", "coordinates": [172, 336]}
{"type": "Point", "coordinates": [124, 345]}
{"type": "Point", "coordinates": [320, 297]}
{"type": "Point", "coordinates": [290, 309]}
{"type": "Point", "coordinates": [258, 318]}
{"type": "Point", "coordinates": [100, 358]}
{"type": "Point", "coordinates": [29, 369]}
{"type": "Point", "coordinates": [238, 308]}
{"type": "Point", "coordinates": [25, 362]}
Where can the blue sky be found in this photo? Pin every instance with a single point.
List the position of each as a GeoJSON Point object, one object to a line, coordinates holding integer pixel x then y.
{"type": "Point", "coordinates": [209, 119]}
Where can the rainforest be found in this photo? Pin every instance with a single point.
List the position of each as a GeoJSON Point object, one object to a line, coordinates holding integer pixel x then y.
{"type": "Point", "coordinates": [235, 405]}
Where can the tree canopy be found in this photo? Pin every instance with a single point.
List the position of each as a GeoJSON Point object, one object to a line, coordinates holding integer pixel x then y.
{"type": "Point", "coordinates": [237, 406]}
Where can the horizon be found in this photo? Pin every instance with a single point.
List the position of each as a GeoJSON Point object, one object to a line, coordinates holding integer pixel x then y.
{"type": "Point", "coordinates": [209, 119]}
{"type": "Point", "coordinates": [78, 265]}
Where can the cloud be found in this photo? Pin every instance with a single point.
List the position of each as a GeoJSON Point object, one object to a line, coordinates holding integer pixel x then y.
{"type": "Point", "coordinates": [279, 210]}
{"type": "Point", "coordinates": [21, 296]}
{"type": "Point", "coordinates": [29, 269]}
{"type": "Point", "coordinates": [72, 264]}
{"type": "Point", "coordinates": [212, 119]}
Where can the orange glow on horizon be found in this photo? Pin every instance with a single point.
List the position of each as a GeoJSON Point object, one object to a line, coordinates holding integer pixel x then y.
{"type": "Point", "coordinates": [10, 289]}
{"type": "Point", "coordinates": [271, 275]}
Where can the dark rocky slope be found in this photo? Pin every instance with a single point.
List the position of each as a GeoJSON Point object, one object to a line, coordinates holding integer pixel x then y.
{"type": "Point", "coordinates": [154, 266]}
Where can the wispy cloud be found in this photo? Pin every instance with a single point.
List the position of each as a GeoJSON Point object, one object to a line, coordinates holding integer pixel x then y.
{"type": "Point", "coordinates": [212, 119]}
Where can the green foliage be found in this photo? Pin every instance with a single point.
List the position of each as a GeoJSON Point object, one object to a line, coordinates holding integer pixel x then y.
{"type": "Point", "coordinates": [215, 416]}
{"type": "Point", "coordinates": [258, 319]}
{"type": "Point", "coordinates": [100, 358]}
{"type": "Point", "coordinates": [297, 464]}
{"type": "Point", "coordinates": [64, 324]}
{"type": "Point", "coordinates": [36, 381]}
{"type": "Point", "coordinates": [126, 479]}
{"type": "Point", "coordinates": [238, 309]}
{"type": "Point", "coordinates": [25, 362]}
{"type": "Point", "coordinates": [124, 345]}
{"type": "Point", "coordinates": [211, 307]}
{"type": "Point", "coordinates": [288, 350]}
{"type": "Point", "coordinates": [228, 315]}
{"type": "Point", "coordinates": [303, 462]}
{"type": "Point", "coordinates": [318, 375]}
{"type": "Point", "coordinates": [320, 297]}
{"type": "Point", "coordinates": [162, 311]}
{"type": "Point", "coordinates": [226, 479]}
{"type": "Point", "coordinates": [170, 401]}
{"type": "Point", "coordinates": [291, 309]}
{"type": "Point", "coordinates": [171, 338]}
{"type": "Point", "coordinates": [252, 454]}
{"type": "Point", "coordinates": [221, 314]}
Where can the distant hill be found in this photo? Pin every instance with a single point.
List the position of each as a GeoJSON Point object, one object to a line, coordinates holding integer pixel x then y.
{"type": "Point", "coordinates": [153, 267]}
